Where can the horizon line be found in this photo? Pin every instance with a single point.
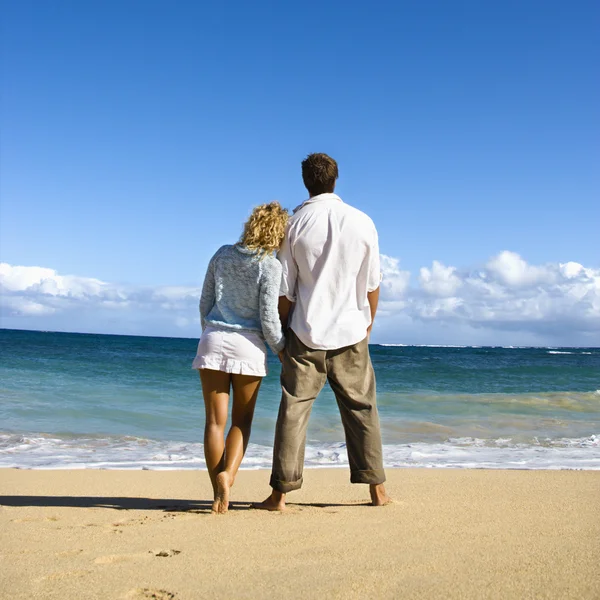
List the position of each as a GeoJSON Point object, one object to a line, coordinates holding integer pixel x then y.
{"type": "Point", "coordinates": [384, 344]}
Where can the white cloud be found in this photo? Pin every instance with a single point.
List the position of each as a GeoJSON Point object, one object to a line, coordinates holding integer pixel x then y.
{"type": "Point", "coordinates": [85, 304]}
{"type": "Point", "coordinates": [560, 302]}
{"type": "Point", "coordinates": [26, 307]}
{"type": "Point", "coordinates": [504, 301]}
{"type": "Point", "coordinates": [47, 281]}
{"type": "Point", "coordinates": [394, 281]}
{"type": "Point", "coordinates": [571, 269]}
{"type": "Point", "coordinates": [509, 268]}
{"type": "Point", "coordinates": [439, 280]}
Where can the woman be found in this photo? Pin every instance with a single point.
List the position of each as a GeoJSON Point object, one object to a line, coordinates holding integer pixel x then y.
{"type": "Point", "coordinates": [238, 311]}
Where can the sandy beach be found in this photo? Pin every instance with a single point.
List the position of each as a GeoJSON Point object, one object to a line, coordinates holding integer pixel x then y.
{"type": "Point", "coordinates": [150, 534]}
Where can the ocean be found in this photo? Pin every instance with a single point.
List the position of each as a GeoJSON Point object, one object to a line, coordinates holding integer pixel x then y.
{"type": "Point", "coordinates": [72, 400]}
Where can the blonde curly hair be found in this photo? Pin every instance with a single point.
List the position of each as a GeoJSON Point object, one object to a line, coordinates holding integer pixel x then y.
{"type": "Point", "coordinates": [265, 229]}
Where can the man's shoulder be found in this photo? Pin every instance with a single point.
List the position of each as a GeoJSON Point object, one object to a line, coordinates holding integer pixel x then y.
{"type": "Point", "coordinates": [300, 214]}
{"type": "Point", "coordinates": [308, 212]}
{"type": "Point", "coordinates": [359, 214]}
{"type": "Point", "coordinates": [307, 208]}
{"type": "Point", "coordinates": [359, 223]}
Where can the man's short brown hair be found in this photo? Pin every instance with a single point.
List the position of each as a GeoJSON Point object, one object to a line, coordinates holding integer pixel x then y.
{"type": "Point", "coordinates": [319, 173]}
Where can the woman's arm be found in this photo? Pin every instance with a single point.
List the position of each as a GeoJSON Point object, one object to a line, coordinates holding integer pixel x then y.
{"type": "Point", "coordinates": [207, 299]}
{"type": "Point", "coordinates": [268, 300]}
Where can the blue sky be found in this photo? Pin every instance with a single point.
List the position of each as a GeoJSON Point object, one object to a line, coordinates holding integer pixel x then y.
{"type": "Point", "coordinates": [137, 136]}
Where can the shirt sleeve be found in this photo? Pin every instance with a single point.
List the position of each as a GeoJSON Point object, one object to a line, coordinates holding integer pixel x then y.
{"type": "Point", "coordinates": [207, 299]}
{"type": "Point", "coordinates": [374, 279]}
{"type": "Point", "coordinates": [289, 274]}
{"type": "Point", "coordinates": [267, 303]}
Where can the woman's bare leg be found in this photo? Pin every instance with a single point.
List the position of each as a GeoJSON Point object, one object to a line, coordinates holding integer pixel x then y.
{"type": "Point", "coordinates": [215, 389]}
{"type": "Point", "coordinates": [245, 392]}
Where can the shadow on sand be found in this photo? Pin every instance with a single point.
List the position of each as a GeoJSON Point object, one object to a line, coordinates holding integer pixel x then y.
{"type": "Point", "coordinates": [118, 502]}
{"type": "Point", "coordinates": [125, 503]}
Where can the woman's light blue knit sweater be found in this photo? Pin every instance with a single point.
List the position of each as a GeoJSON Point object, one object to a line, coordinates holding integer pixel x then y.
{"type": "Point", "coordinates": [241, 292]}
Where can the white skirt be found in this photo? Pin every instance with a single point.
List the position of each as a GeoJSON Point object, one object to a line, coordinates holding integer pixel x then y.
{"type": "Point", "coordinates": [239, 352]}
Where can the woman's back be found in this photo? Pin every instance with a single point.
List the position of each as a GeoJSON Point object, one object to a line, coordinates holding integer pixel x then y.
{"type": "Point", "coordinates": [236, 284]}
{"type": "Point", "coordinates": [237, 279]}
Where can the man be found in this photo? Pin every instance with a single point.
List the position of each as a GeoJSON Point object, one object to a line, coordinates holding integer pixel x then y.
{"type": "Point", "coordinates": [330, 287]}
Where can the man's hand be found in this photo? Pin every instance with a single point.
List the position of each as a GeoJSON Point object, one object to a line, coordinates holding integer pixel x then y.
{"type": "Point", "coordinates": [280, 356]}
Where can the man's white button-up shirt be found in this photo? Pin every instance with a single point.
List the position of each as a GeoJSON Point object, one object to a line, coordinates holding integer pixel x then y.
{"type": "Point", "coordinates": [330, 259]}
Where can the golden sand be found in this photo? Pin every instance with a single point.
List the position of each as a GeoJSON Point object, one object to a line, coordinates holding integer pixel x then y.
{"type": "Point", "coordinates": [475, 534]}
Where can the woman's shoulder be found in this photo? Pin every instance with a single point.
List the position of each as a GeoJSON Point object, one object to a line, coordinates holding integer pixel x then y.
{"type": "Point", "coordinates": [271, 266]}
{"type": "Point", "coordinates": [223, 250]}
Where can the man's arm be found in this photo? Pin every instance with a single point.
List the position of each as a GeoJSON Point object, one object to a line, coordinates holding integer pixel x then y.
{"type": "Point", "coordinates": [285, 308]}
{"type": "Point", "coordinates": [289, 276]}
{"type": "Point", "coordinates": [373, 298]}
{"type": "Point", "coordinates": [375, 276]}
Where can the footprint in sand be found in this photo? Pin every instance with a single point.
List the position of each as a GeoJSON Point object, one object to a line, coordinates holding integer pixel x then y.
{"type": "Point", "coordinates": [34, 520]}
{"type": "Point", "coordinates": [115, 558]}
{"type": "Point", "coordinates": [69, 553]}
{"type": "Point", "coordinates": [165, 553]}
{"type": "Point", "coordinates": [57, 576]}
{"type": "Point", "coordinates": [148, 593]}
{"type": "Point", "coordinates": [128, 522]}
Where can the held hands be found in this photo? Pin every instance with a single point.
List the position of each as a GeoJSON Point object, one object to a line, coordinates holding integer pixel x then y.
{"type": "Point", "coordinates": [280, 356]}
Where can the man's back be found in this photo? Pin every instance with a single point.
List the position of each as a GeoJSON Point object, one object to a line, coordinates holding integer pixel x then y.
{"type": "Point", "coordinates": [330, 262]}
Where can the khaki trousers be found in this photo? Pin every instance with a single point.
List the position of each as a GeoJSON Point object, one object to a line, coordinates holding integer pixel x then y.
{"type": "Point", "coordinates": [303, 375]}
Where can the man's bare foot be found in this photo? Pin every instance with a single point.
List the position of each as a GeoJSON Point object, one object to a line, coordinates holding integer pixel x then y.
{"type": "Point", "coordinates": [275, 502]}
{"type": "Point", "coordinates": [221, 503]}
{"type": "Point", "coordinates": [379, 496]}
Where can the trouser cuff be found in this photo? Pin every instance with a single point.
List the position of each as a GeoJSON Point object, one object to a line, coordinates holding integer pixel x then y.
{"type": "Point", "coordinates": [285, 486]}
{"type": "Point", "coordinates": [371, 476]}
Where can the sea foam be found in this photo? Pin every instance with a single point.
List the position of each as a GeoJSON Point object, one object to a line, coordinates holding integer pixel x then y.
{"type": "Point", "coordinates": [38, 451]}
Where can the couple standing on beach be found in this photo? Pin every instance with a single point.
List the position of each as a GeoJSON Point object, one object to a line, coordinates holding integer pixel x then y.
{"type": "Point", "coordinates": [314, 304]}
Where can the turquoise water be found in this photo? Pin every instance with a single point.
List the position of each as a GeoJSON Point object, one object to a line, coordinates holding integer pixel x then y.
{"type": "Point", "coordinates": [79, 400]}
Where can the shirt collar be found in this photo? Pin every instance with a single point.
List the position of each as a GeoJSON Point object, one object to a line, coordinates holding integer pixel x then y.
{"type": "Point", "coordinates": [318, 198]}
{"type": "Point", "coordinates": [244, 249]}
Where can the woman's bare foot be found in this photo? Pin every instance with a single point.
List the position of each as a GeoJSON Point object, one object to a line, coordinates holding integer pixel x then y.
{"type": "Point", "coordinates": [221, 503]}
{"type": "Point", "coordinates": [275, 502]}
{"type": "Point", "coordinates": [379, 496]}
